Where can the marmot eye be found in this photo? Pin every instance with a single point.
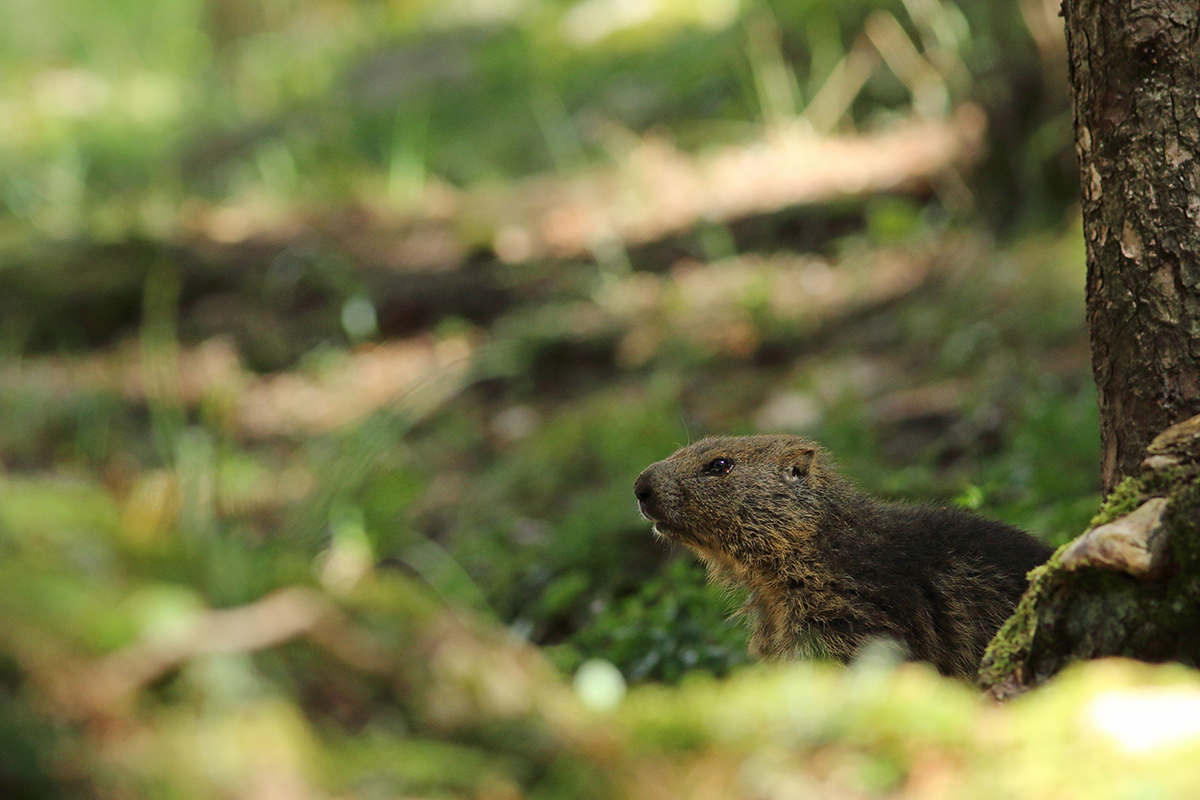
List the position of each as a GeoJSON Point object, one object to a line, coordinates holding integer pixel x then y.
{"type": "Point", "coordinates": [718, 466]}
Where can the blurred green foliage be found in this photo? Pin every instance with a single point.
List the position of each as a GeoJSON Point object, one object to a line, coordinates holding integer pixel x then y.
{"type": "Point", "coordinates": [115, 114]}
{"type": "Point", "coordinates": [672, 625]}
{"type": "Point", "coordinates": [152, 474]}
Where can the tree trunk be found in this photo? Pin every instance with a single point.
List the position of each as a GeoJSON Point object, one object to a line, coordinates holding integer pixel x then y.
{"type": "Point", "coordinates": [1130, 586]}
{"type": "Point", "coordinates": [1135, 76]}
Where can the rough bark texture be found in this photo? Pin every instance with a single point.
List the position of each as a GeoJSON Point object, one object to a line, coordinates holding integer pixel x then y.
{"type": "Point", "coordinates": [1135, 75]}
{"type": "Point", "coordinates": [1129, 587]}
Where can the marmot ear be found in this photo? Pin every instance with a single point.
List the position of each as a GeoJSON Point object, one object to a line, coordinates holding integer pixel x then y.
{"type": "Point", "coordinates": [798, 464]}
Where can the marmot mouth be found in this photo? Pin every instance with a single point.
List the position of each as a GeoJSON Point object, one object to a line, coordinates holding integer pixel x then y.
{"type": "Point", "coordinates": [675, 534]}
{"type": "Point", "coordinates": [667, 530]}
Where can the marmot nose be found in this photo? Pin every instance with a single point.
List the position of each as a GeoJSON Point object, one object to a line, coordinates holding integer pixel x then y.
{"type": "Point", "coordinates": [642, 489]}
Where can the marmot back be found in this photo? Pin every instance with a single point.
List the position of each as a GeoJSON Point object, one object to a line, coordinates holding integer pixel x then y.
{"type": "Point", "coordinates": [828, 568]}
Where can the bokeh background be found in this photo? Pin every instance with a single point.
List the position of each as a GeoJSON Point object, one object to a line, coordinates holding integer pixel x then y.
{"type": "Point", "coordinates": [334, 334]}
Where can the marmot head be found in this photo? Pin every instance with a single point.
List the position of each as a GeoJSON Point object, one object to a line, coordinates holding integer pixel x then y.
{"type": "Point", "coordinates": [747, 497]}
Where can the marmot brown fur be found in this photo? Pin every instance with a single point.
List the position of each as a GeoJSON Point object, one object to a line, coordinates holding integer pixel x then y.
{"type": "Point", "coordinates": [829, 569]}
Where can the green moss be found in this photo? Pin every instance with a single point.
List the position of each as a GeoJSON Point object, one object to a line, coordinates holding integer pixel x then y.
{"type": "Point", "coordinates": [1184, 525]}
{"type": "Point", "coordinates": [1123, 499]}
{"type": "Point", "coordinates": [1009, 650]}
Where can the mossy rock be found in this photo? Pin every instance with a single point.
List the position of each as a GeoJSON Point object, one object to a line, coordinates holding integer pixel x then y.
{"type": "Point", "coordinates": [1127, 587]}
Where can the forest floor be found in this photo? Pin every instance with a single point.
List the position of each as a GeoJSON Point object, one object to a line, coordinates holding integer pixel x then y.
{"type": "Point", "coordinates": [327, 492]}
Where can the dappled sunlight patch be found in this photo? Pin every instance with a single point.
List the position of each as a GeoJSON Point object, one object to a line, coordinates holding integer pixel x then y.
{"type": "Point", "coordinates": [211, 368]}
{"type": "Point", "coordinates": [150, 508]}
{"type": "Point", "coordinates": [260, 747]}
{"type": "Point", "coordinates": [57, 509]}
{"type": "Point", "coordinates": [735, 305]}
{"type": "Point", "coordinates": [250, 216]}
{"type": "Point", "coordinates": [51, 97]}
{"type": "Point", "coordinates": [657, 190]}
{"type": "Point", "coordinates": [589, 22]}
{"type": "Point", "coordinates": [70, 93]}
{"type": "Point", "coordinates": [415, 372]}
{"type": "Point", "coordinates": [1145, 720]}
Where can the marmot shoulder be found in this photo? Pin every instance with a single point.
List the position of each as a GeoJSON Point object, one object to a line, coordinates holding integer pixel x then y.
{"type": "Point", "coordinates": [828, 568]}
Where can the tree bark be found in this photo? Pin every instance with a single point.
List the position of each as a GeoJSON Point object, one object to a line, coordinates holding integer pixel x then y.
{"type": "Point", "coordinates": [1135, 76]}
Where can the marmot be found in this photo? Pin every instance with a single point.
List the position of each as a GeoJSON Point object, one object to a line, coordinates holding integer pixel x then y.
{"type": "Point", "coordinates": [829, 569]}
